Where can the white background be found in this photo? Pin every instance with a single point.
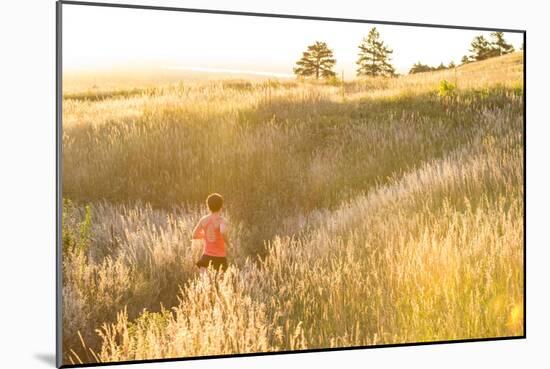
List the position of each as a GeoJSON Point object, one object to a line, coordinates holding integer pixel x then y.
{"type": "Point", "coordinates": [27, 184]}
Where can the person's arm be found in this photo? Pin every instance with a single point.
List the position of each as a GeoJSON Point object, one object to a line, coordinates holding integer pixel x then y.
{"type": "Point", "coordinates": [198, 231]}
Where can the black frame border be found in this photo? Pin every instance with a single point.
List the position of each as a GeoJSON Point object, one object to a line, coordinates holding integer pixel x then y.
{"type": "Point", "coordinates": [59, 168]}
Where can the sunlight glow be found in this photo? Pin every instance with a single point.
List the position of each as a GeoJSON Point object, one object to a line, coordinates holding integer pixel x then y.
{"type": "Point", "coordinates": [232, 71]}
{"type": "Point", "coordinates": [95, 37]}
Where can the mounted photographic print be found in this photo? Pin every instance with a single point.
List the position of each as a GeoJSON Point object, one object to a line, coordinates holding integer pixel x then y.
{"type": "Point", "coordinates": [234, 183]}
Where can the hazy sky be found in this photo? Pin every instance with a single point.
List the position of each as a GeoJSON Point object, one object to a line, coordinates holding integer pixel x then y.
{"type": "Point", "coordinates": [98, 37]}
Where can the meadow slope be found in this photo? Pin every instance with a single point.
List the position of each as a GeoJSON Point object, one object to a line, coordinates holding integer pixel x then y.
{"type": "Point", "coordinates": [378, 211]}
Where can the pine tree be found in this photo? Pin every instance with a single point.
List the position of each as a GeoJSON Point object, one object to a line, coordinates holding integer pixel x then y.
{"type": "Point", "coordinates": [317, 62]}
{"type": "Point", "coordinates": [481, 49]}
{"type": "Point", "coordinates": [500, 45]}
{"type": "Point", "coordinates": [374, 56]}
{"type": "Point", "coordinates": [465, 60]}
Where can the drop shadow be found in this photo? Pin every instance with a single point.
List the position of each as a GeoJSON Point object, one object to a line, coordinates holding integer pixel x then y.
{"type": "Point", "coordinates": [46, 358]}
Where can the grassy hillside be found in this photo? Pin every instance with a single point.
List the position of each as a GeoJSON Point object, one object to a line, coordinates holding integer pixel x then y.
{"type": "Point", "coordinates": [382, 210]}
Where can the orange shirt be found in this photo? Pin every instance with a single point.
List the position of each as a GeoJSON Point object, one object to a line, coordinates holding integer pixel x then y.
{"type": "Point", "coordinates": [212, 227]}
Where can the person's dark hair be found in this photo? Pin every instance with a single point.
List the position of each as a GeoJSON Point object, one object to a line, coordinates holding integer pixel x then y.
{"type": "Point", "coordinates": [214, 202]}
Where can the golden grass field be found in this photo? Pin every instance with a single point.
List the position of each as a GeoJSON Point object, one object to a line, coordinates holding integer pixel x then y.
{"type": "Point", "coordinates": [370, 212]}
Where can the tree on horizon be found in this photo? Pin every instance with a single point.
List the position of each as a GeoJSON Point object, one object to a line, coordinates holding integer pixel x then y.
{"type": "Point", "coordinates": [374, 56]}
{"type": "Point", "coordinates": [500, 45]}
{"type": "Point", "coordinates": [418, 67]}
{"type": "Point", "coordinates": [482, 49]}
{"type": "Point", "coordinates": [317, 61]}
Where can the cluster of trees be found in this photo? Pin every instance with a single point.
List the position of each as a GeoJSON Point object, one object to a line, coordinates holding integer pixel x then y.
{"type": "Point", "coordinates": [373, 59]}
{"type": "Point", "coordinates": [419, 67]}
{"type": "Point", "coordinates": [482, 49]}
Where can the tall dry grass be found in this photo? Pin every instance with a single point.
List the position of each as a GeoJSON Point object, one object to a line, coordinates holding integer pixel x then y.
{"type": "Point", "coordinates": [387, 214]}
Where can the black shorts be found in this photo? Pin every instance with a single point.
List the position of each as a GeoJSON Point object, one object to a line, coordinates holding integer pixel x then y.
{"type": "Point", "coordinates": [217, 262]}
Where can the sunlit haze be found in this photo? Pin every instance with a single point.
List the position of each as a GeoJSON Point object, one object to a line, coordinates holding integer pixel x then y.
{"type": "Point", "coordinates": [102, 38]}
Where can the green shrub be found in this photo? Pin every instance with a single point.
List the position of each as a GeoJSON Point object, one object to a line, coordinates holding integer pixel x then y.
{"type": "Point", "coordinates": [76, 233]}
{"type": "Point", "coordinates": [446, 88]}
